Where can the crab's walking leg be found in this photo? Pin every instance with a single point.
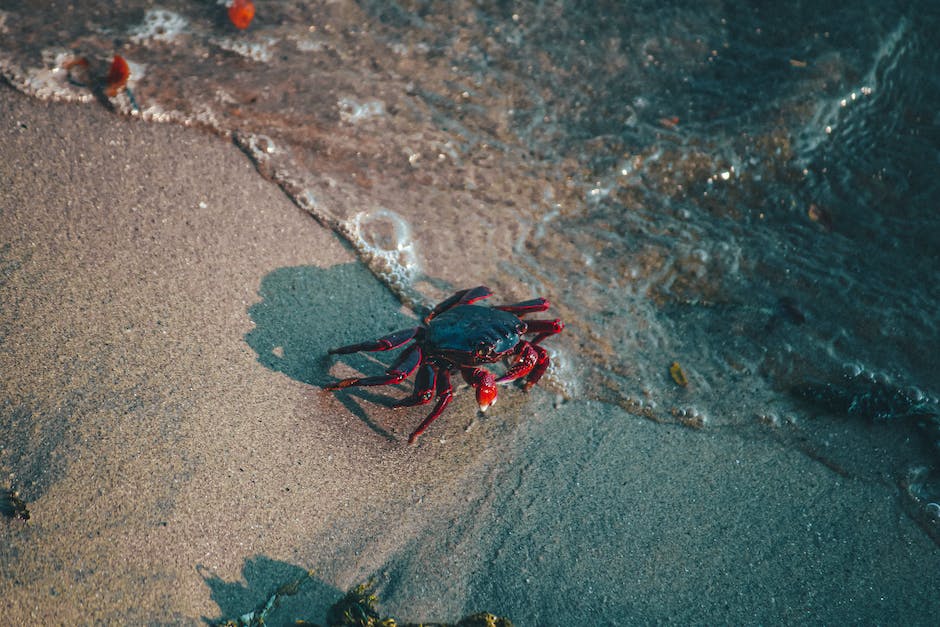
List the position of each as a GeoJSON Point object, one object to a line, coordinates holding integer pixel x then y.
{"type": "Point", "coordinates": [526, 306]}
{"type": "Point", "coordinates": [385, 343]}
{"type": "Point", "coordinates": [463, 297]}
{"type": "Point", "coordinates": [396, 373]}
{"type": "Point", "coordinates": [526, 358]}
{"type": "Point", "coordinates": [544, 328]}
{"type": "Point", "coordinates": [444, 395]}
{"type": "Point", "coordinates": [424, 388]}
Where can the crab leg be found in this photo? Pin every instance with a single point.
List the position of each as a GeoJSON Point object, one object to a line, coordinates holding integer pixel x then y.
{"type": "Point", "coordinates": [384, 343]}
{"type": "Point", "coordinates": [444, 395]}
{"type": "Point", "coordinates": [424, 388]}
{"type": "Point", "coordinates": [544, 328]}
{"type": "Point", "coordinates": [541, 365]}
{"type": "Point", "coordinates": [526, 306]}
{"type": "Point", "coordinates": [396, 373]}
{"type": "Point", "coordinates": [526, 358]}
{"type": "Point", "coordinates": [463, 297]}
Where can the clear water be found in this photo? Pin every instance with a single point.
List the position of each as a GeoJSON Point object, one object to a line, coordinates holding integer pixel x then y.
{"type": "Point", "coordinates": [748, 192]}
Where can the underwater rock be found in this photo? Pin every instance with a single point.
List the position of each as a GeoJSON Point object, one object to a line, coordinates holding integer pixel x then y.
{"type": "Point", "coordinates": [864, 397]}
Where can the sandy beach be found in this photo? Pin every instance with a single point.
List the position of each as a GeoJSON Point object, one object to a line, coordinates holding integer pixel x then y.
{"type": "Point", "coordinates": [165, 314]}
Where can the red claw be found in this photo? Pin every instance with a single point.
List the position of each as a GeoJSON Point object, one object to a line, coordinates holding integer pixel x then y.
{"type": "Point", "coordinates": [486, 396]}
{"type": "Point", "coordinates": [483, 381]}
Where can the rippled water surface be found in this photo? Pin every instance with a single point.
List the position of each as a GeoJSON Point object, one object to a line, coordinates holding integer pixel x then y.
{"type": "Point", "coordinates": [748, 193]}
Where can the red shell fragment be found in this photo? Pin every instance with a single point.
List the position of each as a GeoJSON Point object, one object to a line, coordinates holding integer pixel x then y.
{"type": "Point", "coordinates": [117, 77]}
{"type": "Point", "coordinates": [241, 12]}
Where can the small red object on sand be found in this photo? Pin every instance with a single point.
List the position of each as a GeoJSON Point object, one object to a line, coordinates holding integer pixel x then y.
{"type": "Point", "coordinates": [117, 77]}
{"type": "Point", "coordinates": [241, 12]}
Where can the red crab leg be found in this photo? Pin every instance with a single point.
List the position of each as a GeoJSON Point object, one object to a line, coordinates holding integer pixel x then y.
{"type": "Point", "coordinates": [483, 381]}
{"type": "Point", "coordinates": [396, 373]}
{"type": "Point", "coordinates": [544, 328]}
{"type": "Point", "coordinates": [424, 388]}
{"type": "Point", "coordinates": [541, 365]}
{"type": "Point", "coordinates": [385, 343]}
{"type": "Point", "coordinates": [443, 398]}
{"type": "Point", "coordinates": [525, 361]}
{"type": "Point", "coordinates": [526, 306]}
{"type": "Point", "coordinates": [463, 297]}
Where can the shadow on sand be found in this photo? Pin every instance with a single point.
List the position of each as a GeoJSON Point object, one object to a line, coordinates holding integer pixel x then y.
{"type": "Point", "coordinates": [262, 578]}
{"type": "Point", "coordinates": [306, 310]}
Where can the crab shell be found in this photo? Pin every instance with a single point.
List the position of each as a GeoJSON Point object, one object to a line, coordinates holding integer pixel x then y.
{"type": "Point", "coordinates": [469, 335]}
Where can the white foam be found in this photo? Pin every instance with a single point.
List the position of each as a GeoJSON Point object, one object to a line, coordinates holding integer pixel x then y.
{"type": "Point", "coordinates": [159, 25]}
{"type": "Point", "coordinates": [49, 82]}
{"type": "Point", "coordinates": [352, 111]}
{"type": "Point", "coordinates": [261, 51]}
{"type": "Point", "coordinates": [384, 240]}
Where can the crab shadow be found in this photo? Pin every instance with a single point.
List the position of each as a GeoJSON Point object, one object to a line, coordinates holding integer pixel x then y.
{"type": "Point", "coordinates": [261, 578]}
{"type": "Point", "coordinates": [306, 310]}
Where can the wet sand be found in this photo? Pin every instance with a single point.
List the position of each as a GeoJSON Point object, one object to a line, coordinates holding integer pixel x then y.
{"type": "Point", "coordinates": [164, 318]}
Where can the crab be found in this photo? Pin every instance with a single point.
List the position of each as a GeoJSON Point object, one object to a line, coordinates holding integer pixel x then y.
{"type": "Point", "coordinates": [458, 336]}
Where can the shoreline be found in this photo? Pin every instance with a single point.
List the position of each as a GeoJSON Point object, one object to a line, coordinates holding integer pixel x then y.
{"type": "Point", "coordinates": [165, 318]}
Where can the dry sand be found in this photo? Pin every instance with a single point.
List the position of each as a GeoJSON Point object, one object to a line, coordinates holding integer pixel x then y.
{"type": "Point", "coordinates": [164, 314]}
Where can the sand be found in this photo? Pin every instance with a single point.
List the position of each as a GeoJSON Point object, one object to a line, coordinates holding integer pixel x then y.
{"type": "Point", "coordinates": [164, 318]}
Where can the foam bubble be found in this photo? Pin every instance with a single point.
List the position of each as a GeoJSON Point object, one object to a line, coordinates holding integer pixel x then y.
{"type": "Point", "coordinates": [933, 510]}
{"type": "Point", "coordinates": [306, 44]}
{"type": "Point", "coordinates": [260, 147]}
{"type": "Point", "coordinates": [352, 111]}
{"type": "Point", "coordinates": [49, 82]}
{"type": "Point", "coordinates": [159, 25]}
{"type": "Point", "coordinates": [261, 51]}
{"type": "Point", "coordinates": [385, 242]}
{"type": "Point", "coordinates": [561, 373]}
{"type": "Point", "coordinates": [690, 417]}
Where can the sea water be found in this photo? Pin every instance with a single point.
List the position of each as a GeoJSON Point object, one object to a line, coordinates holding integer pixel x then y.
{"type": "Point", "coordinates": [733, 208]}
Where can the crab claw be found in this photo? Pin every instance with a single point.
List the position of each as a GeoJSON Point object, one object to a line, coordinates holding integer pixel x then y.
{"type": "Point", "coordinates": [484, 383]}
{"type": "Point", "coordinates": [486, 396]}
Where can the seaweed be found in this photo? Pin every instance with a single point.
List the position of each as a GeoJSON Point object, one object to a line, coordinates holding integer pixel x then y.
{"type": "Point", "coordinates": [13, 506]}
{"type": "Point", "coordinates": [356, 609]}
{"type": "Point", "coordinates": [258, 618]}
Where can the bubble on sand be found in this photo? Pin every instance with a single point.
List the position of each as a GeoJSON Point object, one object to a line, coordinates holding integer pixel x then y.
{"type": "Point", "coordinates": [384, 240]}
{"type": "Point", "coordinates": [690, 417]}
{"type": "Point", "coordinates": [561, 374]}
{"type": "Point", "coordinates": [933, 510]}
{"type": "Point", "coordinates": [352, 111]}
{"type": "Point", "coordinates": [259, 147]}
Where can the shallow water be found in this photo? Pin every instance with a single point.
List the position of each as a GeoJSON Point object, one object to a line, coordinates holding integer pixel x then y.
{"type": "Point", "coordinates": [749, 193]}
